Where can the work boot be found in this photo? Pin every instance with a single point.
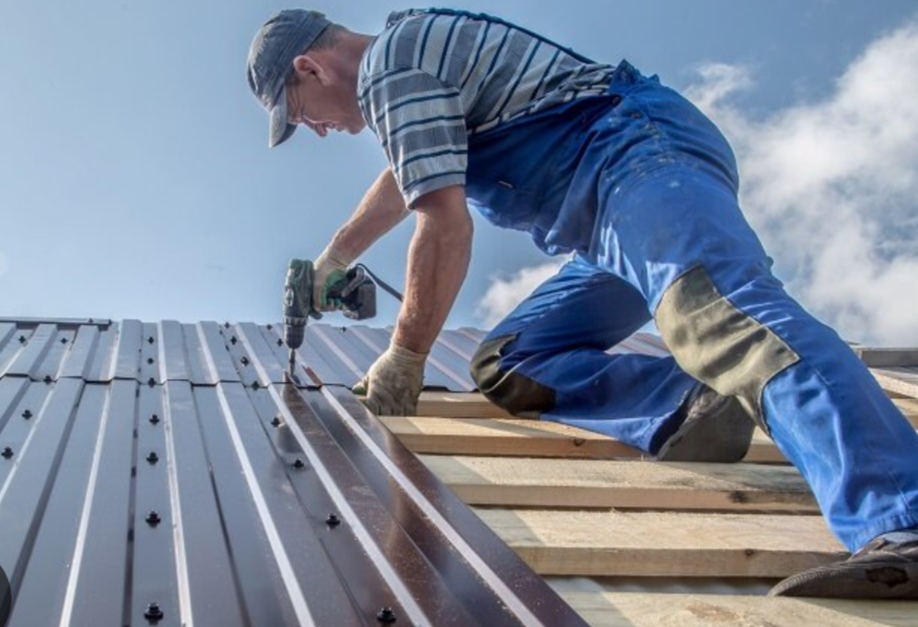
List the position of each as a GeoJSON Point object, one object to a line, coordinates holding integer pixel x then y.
{"type": "Point", "coordinates": [883, 569]}
{"type": "Point", "coordinates": [716, 429]}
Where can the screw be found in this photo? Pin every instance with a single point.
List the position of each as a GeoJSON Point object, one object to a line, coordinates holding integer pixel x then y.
{"type": "Point", "coordinates": [48, 379]}
{"type": "Point", "coordinates": [154, 419]}
{"type": "Point", "coordinates": [276, 422]}
{"type": "Point", "coordinates": [151, 382]}
{"type": "Point", "coordinates": [150, 361]}
{"type": "Point", "coordinates": [270, 326]}
{"type": "Point", "coordinates": [233, 340]}
{"type": "Point", "coordinates": [245, 360]}
{"type": "Point", "coordinates": [386, 615]}
{"type": "Point", "coordinates": [22, 339]}
{"type": "Point", "coordinates": [153, 519]}
{"type": "Point", "coordinates": [280, 342]}
{"type": "Point", "coordinates": [150, 340]}
{"type": "Point", "coordinates": [27, 414]}
{"type": "Point", "coordinates": [298, 464]}
{"type": "Point", "coordinates": [226, 325]}
{"type": "Point", "coordinates": [153, 614]}
{"type": "Point", "coordinates": [152, 457]}
{"type": "Point", "coordinates": [332, 520]}
{"type": "Point", "coordinates": [7, 452]}
{"type": "Point", "coordinates": [255, 385]}
{"type": "Point", "coordinates": [63, 340]}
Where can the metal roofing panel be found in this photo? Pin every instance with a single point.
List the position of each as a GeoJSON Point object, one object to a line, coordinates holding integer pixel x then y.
{"type": "Point", "coordinates": [161, 476]}
{"type": "Point", "coordinates": [206, 353]}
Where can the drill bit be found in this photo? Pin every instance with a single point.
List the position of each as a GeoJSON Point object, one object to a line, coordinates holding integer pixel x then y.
{"type": "Point", "coordinates": [291, 363]}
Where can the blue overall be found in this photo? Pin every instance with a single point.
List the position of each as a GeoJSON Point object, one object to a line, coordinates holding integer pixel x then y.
{"type": "Point", "coordinates": [642, 188]}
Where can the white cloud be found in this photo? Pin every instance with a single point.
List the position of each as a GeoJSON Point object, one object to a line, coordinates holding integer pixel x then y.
{"type": "Point", "coordinates": [505, 292]}
{"type": "Point", "coordinates": [832, 188]}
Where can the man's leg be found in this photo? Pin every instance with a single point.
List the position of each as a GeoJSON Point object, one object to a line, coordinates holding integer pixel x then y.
{"type": "Point", "coordinates": [677, 234]}
{"type": "Point", "coordinates": [548, 360]}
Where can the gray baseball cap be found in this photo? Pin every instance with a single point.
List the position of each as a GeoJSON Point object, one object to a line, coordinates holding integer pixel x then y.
{"type": "Point", "coordinates": [282, 38]}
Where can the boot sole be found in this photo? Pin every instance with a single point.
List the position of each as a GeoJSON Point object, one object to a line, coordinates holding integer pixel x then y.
{"type": "Point", "coordinates": [723, 437]}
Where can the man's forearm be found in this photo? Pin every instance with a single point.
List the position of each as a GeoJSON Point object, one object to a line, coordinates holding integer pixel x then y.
{"type": "Point", "coordinates": [438, 260]}
{"type": "Point", "coordinates": [381, 209]}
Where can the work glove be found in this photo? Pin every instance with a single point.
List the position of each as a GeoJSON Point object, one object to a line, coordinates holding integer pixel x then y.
{"type": "Point", "coordinates": [329, 269]}
{"type": "Point", "coordinates": [393, 383]}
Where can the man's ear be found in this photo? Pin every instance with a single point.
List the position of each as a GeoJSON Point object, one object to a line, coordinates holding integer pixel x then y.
{"type": "Point", "coordinates": [309, 63]}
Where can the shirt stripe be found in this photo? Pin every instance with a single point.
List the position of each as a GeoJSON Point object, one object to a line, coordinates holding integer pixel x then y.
{"type": "Point", "coordinates": [431, 80]}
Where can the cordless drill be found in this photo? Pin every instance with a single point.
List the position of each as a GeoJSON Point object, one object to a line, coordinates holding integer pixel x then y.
{"type": "Point", "coordinates": [356, 294]}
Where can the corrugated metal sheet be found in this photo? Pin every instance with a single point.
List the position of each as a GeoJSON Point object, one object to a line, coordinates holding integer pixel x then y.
{"type": "Point", "coordinates": [207, 353]}
{"type": "Point", "coordinates": [163, 474]}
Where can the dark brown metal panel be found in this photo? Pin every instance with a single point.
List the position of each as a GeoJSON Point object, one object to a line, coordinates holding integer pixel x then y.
{"type": "Point", "coordinates": [348, 368]}
{"type": "Point", "coordinates": [31, 469]}
{"type": "Point", "coordinates": [208, 593]}
{"type": "Point", "coordinates": [46, 590]}
{"type": "Point", "coordinates": [414, 589]}
{"type": "Point", "coordinates": [99, 582]}
{"type": "Point", "coordinates": [29, 359]}
{"type": "Point", "coordinates": [77, 360]}
{"type": "Point", "coordinates": [263, 524]}
{"type": "Point", "coordinates": [497, 582]}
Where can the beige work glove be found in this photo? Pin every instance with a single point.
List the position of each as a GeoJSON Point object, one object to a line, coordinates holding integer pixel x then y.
{"type": "Point", "coordinates": [329, 268]}
{"type": "Point", "coordinates": [393, 383]}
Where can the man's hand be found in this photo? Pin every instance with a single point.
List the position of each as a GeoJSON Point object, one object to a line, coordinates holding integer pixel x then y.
{"type": "Point", "coordinates": [328, 271]}
{"type": "Point", "coordinates": [393, 383]}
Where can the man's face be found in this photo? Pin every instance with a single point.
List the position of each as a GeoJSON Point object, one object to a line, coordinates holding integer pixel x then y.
{"type": "Point", "coordinates": [322, 103]}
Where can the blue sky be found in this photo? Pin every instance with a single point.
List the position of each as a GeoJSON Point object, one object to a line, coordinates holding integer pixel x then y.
{"type": "Point", "coordinates": [136, 182]}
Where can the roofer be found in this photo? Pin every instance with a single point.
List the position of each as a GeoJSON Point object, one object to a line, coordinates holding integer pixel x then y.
{"type": "Point", "coordinates": [607, 164]}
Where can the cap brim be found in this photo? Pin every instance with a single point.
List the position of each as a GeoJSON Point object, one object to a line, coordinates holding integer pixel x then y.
{"type": "Point", "coordinates": [280, 130]}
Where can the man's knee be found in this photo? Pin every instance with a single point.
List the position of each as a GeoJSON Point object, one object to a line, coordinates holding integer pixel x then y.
{"type": "Point", "coordinates": [514, 392]}
{"type": "Point", "coordinates": [719, 344]}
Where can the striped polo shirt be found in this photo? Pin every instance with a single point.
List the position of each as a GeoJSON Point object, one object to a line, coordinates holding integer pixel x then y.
{"type": "Point", "coordinates": [433, 79]}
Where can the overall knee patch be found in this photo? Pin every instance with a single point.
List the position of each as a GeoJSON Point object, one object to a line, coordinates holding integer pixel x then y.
{"type": "Point", "coordinates": [514, 392]}
{"type": "Point", "coordinates": [716, 343]}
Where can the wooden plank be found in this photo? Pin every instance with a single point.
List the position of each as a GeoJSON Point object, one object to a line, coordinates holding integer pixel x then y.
{"type": "Point", "coordinates": [909, 407]}
{"type": "Point", "coordinates": [633, 609]}
{"type": "Point", "coordinates": [663, 544]}
{"type": "Point", "coordinates": [902, 381]}
{"type": "Point", "coordinates": [458, 405]}
{"type": "Point", "coordinates": [487, 436]}
{"type": "Point", "coordinates": [887, 357]}
{"type": "Point", "coordinates": [525, 482]}
{"type": "Point", "coordinates": [529, 438]}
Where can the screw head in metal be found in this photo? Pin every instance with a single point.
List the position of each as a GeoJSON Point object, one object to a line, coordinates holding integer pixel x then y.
{"type": "Point", "coordinates": [386, 616]}
{"type": "Point", "coordinates": [226, 325]}
{"type": "Point", "coordinates": [150, 340]}
{"type": "Point", "coordinates": [333, 520]}
{"type": "Point", "coordinates": [48, 379]}
{"type": "Point", "coordinates": [153, 614]}
{"type": "Point", "coordinates": [298, 464]}
{"type": "Point", "coordinates": [276, 422]}
{"type": "Point", "coordinates": [63, 340]}
{"type": "Point", "coordinates": [154, 419]}
{"type": "Point", "coordinates": [27, 414]}
{"type": "Point", "coordinates": [245, 360]}
{"type": "Point", "coordinates": [151, 382]}
{"type": "Point", "coordinates": [150, 361]}
{"type": "Point", "coordinates": [233, 340]}
{"type": "Point", "coordinates": [152, 457]}
{"type": "Point", "coordinates": [270, 326]}
{"type": "Point", "coordinates": [153, 519]}
{"type": "Point", "coordinates": [255, 385]}
{"type": "Point", "coordinates": [7, 452]}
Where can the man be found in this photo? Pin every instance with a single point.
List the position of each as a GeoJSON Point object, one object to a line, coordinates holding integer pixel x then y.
{"type": "Point", "coordinates": [605, 163]}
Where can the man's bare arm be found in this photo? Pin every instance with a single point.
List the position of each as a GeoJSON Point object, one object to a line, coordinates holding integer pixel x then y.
{"type": "Point", "coordinates": [438, 260]}
{"type": "Point", "coordinates": [381, 209]}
